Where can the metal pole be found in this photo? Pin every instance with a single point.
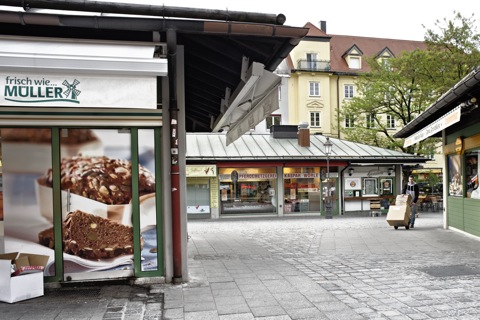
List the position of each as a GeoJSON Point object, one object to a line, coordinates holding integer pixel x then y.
{"type": "Point", "coordinates": [329, 203]}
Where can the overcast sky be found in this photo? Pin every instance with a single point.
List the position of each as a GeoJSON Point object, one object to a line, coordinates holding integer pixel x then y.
{"type": "Point", "coordinates": [369, 18]}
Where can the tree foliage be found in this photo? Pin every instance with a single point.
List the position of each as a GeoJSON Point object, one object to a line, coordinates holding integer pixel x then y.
{"type": "Point", "coordinates": [403, 87]}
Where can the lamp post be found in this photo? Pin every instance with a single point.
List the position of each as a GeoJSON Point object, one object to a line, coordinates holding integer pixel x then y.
{"type": "Point", "coordinates": [328, 203]}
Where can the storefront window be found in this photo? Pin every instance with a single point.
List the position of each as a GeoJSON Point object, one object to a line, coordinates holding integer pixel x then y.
{"type": "Point", "coordinates": [471, 172]}
{"type": "Point", "coordinates": [455, 181]}
{"type": "Point", "coordinates": [387, 187]}
{"type": "Point", "coordinates": [370, 187]}
{"type": "Point", "coordinates": [248, 190]}
{"type": "Point", "coordinates": [198, 195]}
{"type": "Point", "coordinates": [302, 190]}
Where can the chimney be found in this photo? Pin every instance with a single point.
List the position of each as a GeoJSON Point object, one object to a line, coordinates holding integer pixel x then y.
{"type": "Point", "coordinates": [323, 26]}
{"type": "Point", "coordinates": [303, 135]}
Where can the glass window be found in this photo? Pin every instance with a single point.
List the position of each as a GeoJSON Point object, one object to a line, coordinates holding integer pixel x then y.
{"type": "Point", "coordinates": [273, 120]}
{"type": "Point", "coordinates": [348, 89]}
{"type": "Point", "coordinates": [390, 122]}
{"type": "Point", "coordinates": [312, 61]}
{"type": "Point", "coordinates": [455, 183]}
{"type": "Point", "coordinates": [349, 121]}
{"type": "Point", "coordinates": [301, 189]}
{"type": "Point", "coordinates": [471, 172]}
{"type": "Point", "coordinates": [354, 63]}
{"type": "Point", "coordinates": [370, 187]}
{"type": "Point", "coordinates": [198, 195]}
{"type": "Point", "coordinates": [248, 190]}
{"type": "Point", "coordinates": [314, 89]}
{"type": "Point", "coordinates": [315, 119]}
{"type": "Point", "coordinates": [370, 119]}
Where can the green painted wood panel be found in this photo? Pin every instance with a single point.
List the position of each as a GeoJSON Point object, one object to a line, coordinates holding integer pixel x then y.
{"type": "Point", "coordinates": [455, 212]}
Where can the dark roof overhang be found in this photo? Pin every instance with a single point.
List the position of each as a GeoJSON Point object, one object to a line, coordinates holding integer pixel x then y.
{"type": "Point", "coordinates": [214, 49]}
{"type": "Point", "coordinates": [466, 93]}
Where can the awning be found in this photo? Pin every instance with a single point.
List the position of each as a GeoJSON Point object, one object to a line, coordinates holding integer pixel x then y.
{"type": "Point", "coordinates": [444, 122]}
{"type": "Point", "coordinates": [80, 57]}
{"type": "Point", "coordinates": [253, 100]}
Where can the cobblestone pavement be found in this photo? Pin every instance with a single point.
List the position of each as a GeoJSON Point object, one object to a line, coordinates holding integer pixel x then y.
{"type": "Point", "coordinates": [294, 268]}
{"type": "Point", "coordinates": [90, 302]}
{"type": "Point", "coordinates": [313, 268]}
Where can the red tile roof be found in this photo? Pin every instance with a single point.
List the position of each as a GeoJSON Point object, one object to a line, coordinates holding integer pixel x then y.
{"type": "Point", "coordinates": [340, 44]}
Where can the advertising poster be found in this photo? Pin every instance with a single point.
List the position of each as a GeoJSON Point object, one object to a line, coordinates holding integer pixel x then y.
{"type": "Point", "coordinates": [96, 183]}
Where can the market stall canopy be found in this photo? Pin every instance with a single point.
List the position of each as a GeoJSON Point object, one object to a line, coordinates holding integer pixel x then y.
{"type": "Point", "coordinates": [458, 103]}
{"type": "Point", "coordinates": [264, 147]}
{"type": "Point", "coordinates": [216, 44]}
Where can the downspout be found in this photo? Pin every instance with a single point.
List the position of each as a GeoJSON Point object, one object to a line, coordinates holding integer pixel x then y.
{"type": "Point", "coordinates": [174, 165]}
{"type": "Point", "coordinates": [338, 106]}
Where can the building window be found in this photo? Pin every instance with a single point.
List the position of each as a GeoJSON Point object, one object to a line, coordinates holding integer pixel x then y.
{"type": "Point", "coordinates": [279, 93]}
{"type": "Point", "coordinates": [370, 121]}
{"type": "Point", "coordinates": [273, 120]}
{"type": "Point", "coordinates": [315, 119]}
{"type": "Point", "coordinates": [349, 123]}
{"type": "Point", "coordinates": [311, 61]}
{"type": "Point", "coordinates": [314, 89]}
{"type": "Point", "coordinates": [354, 63]}
{"type": "Point", "coordinates": [390, 122]}
{"type": "Point", "coordinates": [348, 91]}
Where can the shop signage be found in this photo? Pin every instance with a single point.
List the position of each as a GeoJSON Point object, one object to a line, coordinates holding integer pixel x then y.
{"type": "Point", "coordinates": [48, 90]}
{"type": "Point", "coordinates": [438, 125]}
{"type": "Point", "coordinates": [249, 176]}
{"type": "Point", "coordinates": [201, 171]}
{"type": "Point", "coordinates": [301, 175]}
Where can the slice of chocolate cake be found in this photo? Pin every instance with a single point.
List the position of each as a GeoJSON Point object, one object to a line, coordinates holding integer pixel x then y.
{"type": "Point", "coordinates": [93, 237]}
{"type": "Point", "coordinates": [46, 238]}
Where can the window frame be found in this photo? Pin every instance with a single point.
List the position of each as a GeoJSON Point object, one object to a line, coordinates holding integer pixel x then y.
{"type": "Point", "coordinates": [314, 89]}
{"type": "Point", "coordinates": [349, 121]}
{"type": "Point", "coordinates": [273, 116]}
{"type": "Point", "coordinates": [318, 122]}
{"type": "Point", "coordinates": [348, 91]}
{"type": "Point", "coordinates": [391, 123]}
{"type": "Point", "coordinates": [370, 121]}
{"type": "Point", "coordinates": [367, 183]}
{"type": "Point", "coordinates": [357, 64]}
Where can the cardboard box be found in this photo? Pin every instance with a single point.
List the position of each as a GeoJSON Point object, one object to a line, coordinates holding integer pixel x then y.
{"type": "Point", "coordinates": [399, 214]}
{"type": "Point", "coordinates": [24, 286]}
{"type": "Point", "coordinates": [403, 200]}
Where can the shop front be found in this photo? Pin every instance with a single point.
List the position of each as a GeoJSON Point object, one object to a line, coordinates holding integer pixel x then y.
{"type": "Point", "coordinates": [370, 189]}
{"type": "Point", "coordinates": [307, 190]}
{"type": "Point", "coordinates": [454, 118]}
{"type": "Point", "coordinates": [264, 175]}
{"type": "Point", "coordinates": [81, 162]}
{"type": "Point", "coordinates": [248, 190]}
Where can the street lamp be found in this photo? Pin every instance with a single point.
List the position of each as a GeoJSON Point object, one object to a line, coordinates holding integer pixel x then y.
{"type": "Point", "coordinates": [328, 203]}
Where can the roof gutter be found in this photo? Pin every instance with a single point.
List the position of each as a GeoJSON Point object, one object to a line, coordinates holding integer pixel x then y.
{"type": "Point", "coordinates": [162, 25]}
{"type": "Point", "coordinates": [148, 10]}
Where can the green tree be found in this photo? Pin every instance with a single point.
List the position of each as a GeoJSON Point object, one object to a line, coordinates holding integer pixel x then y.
{"type": "Point", "coordinates": [400, 88]}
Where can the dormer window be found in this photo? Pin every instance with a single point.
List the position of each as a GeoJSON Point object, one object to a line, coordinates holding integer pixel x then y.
{"type": "Point", "coordinates": [353, 57]}
{"type": "Point", "coordinates": [354, 62]}
{"type": "Point", "coordinates": [384, 57]}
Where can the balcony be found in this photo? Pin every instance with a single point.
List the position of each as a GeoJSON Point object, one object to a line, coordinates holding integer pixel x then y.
{"type": "Point", "coordinates": [313, 65]}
